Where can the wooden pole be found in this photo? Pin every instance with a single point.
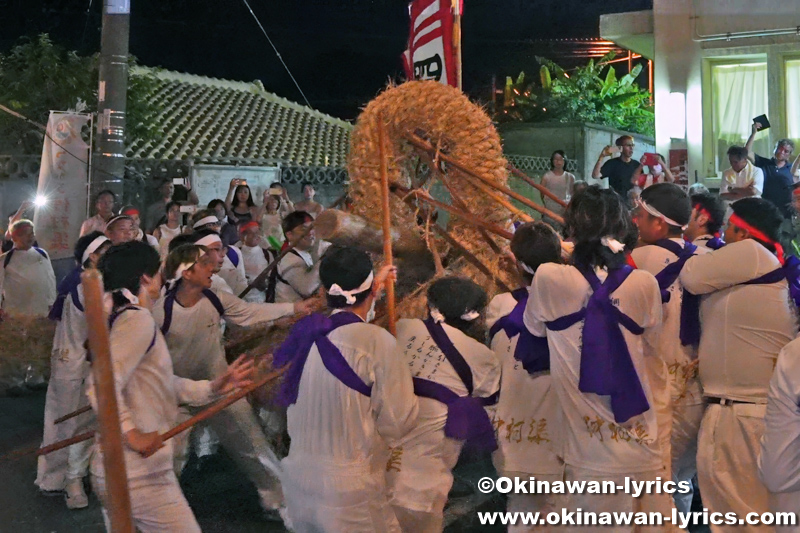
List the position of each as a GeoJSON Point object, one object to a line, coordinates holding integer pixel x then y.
{"type": "Point", "coordinates": [538, 186]}
{"type": "Point", "coordinates": [117, 497]}
{"type": "Point", "coordinates": [426, 146]}
{"type": "Point", "coordinates": [73, 414]}
{"type": "Point", "coordinates": [387, 223]}
{"type": "Point", "coordinates": [264, 273]}
{"type": "Point", "coordinates": [457, 41]}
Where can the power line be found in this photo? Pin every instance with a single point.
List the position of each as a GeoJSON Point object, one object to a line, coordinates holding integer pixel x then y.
{"type": "Point", "coordinates": [277, 53]}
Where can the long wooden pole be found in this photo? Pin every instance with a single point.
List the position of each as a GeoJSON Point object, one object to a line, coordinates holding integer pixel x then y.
{"type": "Point", "coordinates": [541, 188]}
{"type": "Point", "coordinates": [422, 144]}
{"type": "Point", "coordinates": [183, 426]}
{"type": "Point", "coordinates": [264, 273]}
{"type": "Point", "coordinates": [117, 496]}
{"type": "Point", "coordinates": [391, 310]}
{"type": "Point", "coordinates": [456, 5]}
{"type": "Point", "coordinates": [73, 414]}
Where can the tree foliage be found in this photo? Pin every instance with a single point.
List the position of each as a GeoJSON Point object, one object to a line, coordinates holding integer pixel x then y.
{"type": "Point", "coordinates": [37, 76]}
{"type": "Point", "coordinates": [591, 93]}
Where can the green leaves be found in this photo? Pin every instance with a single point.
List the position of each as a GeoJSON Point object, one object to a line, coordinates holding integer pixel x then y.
{"type": "Point", "coordinates": [591, 93]}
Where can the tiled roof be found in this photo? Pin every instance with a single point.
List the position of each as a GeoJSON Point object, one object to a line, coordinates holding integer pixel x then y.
{"type": "Point", "coordinates": [237, 122]}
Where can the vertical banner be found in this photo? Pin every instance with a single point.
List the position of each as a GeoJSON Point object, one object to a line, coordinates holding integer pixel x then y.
{"type": "Point", "coordinates": [63, 181]}
{"type": "Point", "coordinates": [430, 54]}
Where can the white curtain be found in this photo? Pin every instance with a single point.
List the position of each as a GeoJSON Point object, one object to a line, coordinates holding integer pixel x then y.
{"type": "Point", "coordinates": [739, 95]}
{"type": "Point", "coordinates": [793, 99]}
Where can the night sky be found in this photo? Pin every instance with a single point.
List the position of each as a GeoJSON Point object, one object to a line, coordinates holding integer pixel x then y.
{"type": "Point", "coordinates": [342, 52]}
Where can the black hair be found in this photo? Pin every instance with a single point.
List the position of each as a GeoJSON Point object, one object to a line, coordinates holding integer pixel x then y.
{"type": "Point", "coordinates": [249, 202]}
{"type": "Point", "coordinates": [348, 268]}
{"type": "Point", "coordinates": [181, 254]}
{"type": "Point", "coordinates": [595, 213]}
{"type": "Point", "coordinates": [737, 152]}
{"type": "Point", "coordinates": [294, 219]}
{"type": "Point", "coordinates": [672, 202]}
{"type": "Point", "coordinates": [578, 186]}
{"type": "Point", "coordinates": [762, 215]}
{"type": "Point", "coordinates": [306, 183]}
{"type": "Point", "coordinates": [536, 243]}
{"type": "Point", "coordinates": [713, 206]}
{"type": "Point", "coordinates": [103, 192]}
{"type": "Point", "coordinates": [454, 296]}
{"type": "Point", "coordinates": [179, 240]}
{"type": "Point", "coordinates": [213, 203]}
{"type": "Point", "coordinates": [276, 184]}
{"type": "Point", "coordinates": [84, 242]}
{"type": "Point", "coordinates": [621, 139]}
{"type": "Point", "coordinates": [562, 154]}
{"type": "Point", "coordinates": [170, 205]}
{"type": "Point", "coordinates": [124, 265]}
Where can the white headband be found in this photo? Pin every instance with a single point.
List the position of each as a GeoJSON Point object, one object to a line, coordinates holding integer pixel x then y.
{"type": "Point", "coordinates": [350, 296]}
{"type": "Point", "coordinates": [613, 244]}
{"type": "Point", "coordinates": [210, 219]}
{"type": "Point", "coordinates": [186, 266]}
{"type": "Point", "coordinates": [93, 246]}
{"type": "Point", "coordinates": [208, 240]}
{"type": "Point", "coordinates": [527, 269]}
{"type": "Point", "coordinates": [656, 213]}
{"type": "Point", "coordinates": [438, 317]}
{"type": "Point", "coordinates": [108, 299]}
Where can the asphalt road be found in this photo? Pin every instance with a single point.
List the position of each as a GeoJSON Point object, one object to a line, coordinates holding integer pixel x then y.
{"type": "Point", "coordinates": [222, 499]}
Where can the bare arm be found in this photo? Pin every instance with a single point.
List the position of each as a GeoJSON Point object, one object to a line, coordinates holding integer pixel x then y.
{"type": "Point", "coordinates": [596, 170]}
{"type": "Point", "coordinates": [229, 198]}
{"type": "Point", "coordinates": [795, 165]}
{"type": "Point", "coordinates": [638, 172]}
{"type": "Point", "coordinates": [751, 155]}
{"type": "Point", "coordinates": [667, 172]}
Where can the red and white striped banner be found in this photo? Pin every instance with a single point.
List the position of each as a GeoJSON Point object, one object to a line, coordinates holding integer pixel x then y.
{"type": "Point", "coordinates": [430, 54]}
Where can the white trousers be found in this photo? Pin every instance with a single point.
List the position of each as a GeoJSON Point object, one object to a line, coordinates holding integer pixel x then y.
{"type": "Point", "coordinates": [240, 434]}
{"type": "Point", "coordinates": [326, 498]}
{"type": "Point", "coordinates": [686, 421]}
{"type": "Point", "coordinates": [157, 504]}
{"type": "Point", "coordinates": [727, 463]}
{"type": "Point", "coordinates": [618, 502]}
{"type": "Point", "coordinates": [55, 469]}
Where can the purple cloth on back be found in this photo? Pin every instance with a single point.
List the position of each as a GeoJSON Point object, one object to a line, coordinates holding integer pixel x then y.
{"type": "Point", "coordinates": [532, 351]}
{"type": "Point", "coordinates": [690, 305]}
{"type": "Point", "coordinates": [606, 365]}
{"type": "Point", "coordinates": [305, 333]}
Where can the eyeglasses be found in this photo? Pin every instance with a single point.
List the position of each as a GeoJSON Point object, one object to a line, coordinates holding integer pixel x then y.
{"type": "Point", "coordinates": [629, 145]}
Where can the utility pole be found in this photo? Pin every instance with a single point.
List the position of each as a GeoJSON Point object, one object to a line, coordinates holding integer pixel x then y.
{"type": "Point", "coordinates": [108, 166]}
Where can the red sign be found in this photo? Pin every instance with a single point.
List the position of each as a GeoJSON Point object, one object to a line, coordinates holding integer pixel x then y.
{"type": "Point", "coordinates": [430, 42]}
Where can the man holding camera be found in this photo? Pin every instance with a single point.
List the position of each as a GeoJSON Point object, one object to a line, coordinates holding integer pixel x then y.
{"type": "Point", "coordinates": [618, 170]}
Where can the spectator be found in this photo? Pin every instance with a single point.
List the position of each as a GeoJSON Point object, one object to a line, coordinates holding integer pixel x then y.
{"type": "Point", "coordinates": [308, 204]}
{"type": "Point", "coordinates": [778, 178]}
{"type": "Point", "coordinates": [658, 173]}
{"type": "Point", "coordinates": [240, 204]}
{"type": "Point", "coordinates": [227, 230]}
{"type": "Point", "coordinates": [698, 188]}
{"type": "Point", "coordinates": [24, 208]}
{"type": "Point", "coordinates": [618, 170]}
{"type": "Point", "coordinates": [272, 222]}
{"type": "Point", "coordinates": [559, 182]}
{"type": "Point", "coordinates": [742, 180]}
{"type": "Point", "coordinates": [138, 234]}
{"type": "Point", "coordinates": [104, 207]}
{"type": "Point", "coordinates": [169, 228]}
{"type": "Point", "coordinates": [255, 259]}
{"type": "Point", "coordinates": [27, 280]}
{"type": "Point", "coordinates": [286, 204]}
{"type": "Point", "coordinates": [158, 209]}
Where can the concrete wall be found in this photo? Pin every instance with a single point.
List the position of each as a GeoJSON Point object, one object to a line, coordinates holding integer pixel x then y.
{"type": "Point", "coordinates": [684, 54]}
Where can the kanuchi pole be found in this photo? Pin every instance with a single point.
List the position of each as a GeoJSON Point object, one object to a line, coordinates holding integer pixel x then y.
{"type": "Point", "coordinates": [117, 497]}
{"type": "Point", "coordinates": [387, 224]}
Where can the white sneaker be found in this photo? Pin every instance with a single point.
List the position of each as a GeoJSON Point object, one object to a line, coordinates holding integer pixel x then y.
{"type": "Point", "coordinates": [76, 497]}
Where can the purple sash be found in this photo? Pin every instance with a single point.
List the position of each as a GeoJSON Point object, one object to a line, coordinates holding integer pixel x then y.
{"type": "Point", "coordinates": [690, 306]}
{"type": "Point", "coordinates": [467, 419]}
{"type": "Point", "coordinates": [606, 365]}
{"type": "Point", "coordinates": [532, 351]}
{"type": "Point", "coordinates": [790, 271]}
{"type": "Point", "coordinates": [305, 333]}
{"type": "Point", "coordinates": [67, 287]}
{"type": "Point", "coordinates": [113, 318]}
{"type": "Point", "coordinates": [169, 304]}
{"type": "Point", "coordinates": [715, 243]}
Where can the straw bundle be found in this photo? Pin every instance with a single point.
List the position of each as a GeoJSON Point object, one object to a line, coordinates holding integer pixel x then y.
{"type": "Point", "coordinates": [446, 118]}
{"type": "Point", "coordinates": [25, 355]}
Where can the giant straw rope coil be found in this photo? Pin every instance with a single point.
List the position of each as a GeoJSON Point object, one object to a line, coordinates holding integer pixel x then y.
{"type": "Point", "coordinates": [446, 118]}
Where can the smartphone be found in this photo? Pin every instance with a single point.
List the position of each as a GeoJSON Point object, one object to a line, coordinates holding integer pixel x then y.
{"type": "Point", "coordinates": [179, 181]}
{"type": "Point", "coordinates": [614, 150]}
{"type": "Point", "coordinates": [191, 209]}
{"type": "Point", "coordinates": [275, 191]}
{"type": "Point", "coordinates": [650, 159]}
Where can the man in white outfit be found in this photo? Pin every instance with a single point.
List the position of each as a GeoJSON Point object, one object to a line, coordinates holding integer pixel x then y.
{"type": "Point", "coordinates": [457, 379]}
{"type": "Point", "coordinates": [297, 275]}
{"type": "Point", "coordinates": [746, 319]}
{"type": "Point", "coordinates": [27, 280]}
{"type": "Point", "coordinates": [528, 416]}
{"type": "Point", "coordinates": [349, 395]}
